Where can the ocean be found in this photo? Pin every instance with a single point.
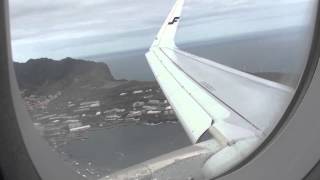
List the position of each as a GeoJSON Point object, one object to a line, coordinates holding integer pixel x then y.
{"type": "Point", "coordinates": [108, 150]}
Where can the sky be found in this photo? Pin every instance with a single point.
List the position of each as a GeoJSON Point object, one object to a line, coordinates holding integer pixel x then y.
{"type": "Point", "coordinates": [81, 28]}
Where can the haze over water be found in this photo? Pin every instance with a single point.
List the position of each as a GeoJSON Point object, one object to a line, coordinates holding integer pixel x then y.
{"type": "Point", "coordinates": [281, 51]}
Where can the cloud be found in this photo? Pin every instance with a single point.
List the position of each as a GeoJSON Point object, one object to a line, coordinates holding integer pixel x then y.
{"type": "Point", "coordinates": [63, 28]}
{"type": "Point", "coordinates": [230, 18]}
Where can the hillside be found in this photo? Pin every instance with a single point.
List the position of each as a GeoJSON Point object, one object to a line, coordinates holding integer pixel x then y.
{"type": "Point", "coordinates": [46, 75]}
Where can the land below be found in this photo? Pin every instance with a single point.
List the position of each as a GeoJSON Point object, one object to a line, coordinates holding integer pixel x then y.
{"type": "Point", "coordinates": [69, 99]}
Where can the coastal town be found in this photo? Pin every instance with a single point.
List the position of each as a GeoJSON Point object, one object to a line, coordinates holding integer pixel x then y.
{"type": "Point", "coordinates": [61, 120]}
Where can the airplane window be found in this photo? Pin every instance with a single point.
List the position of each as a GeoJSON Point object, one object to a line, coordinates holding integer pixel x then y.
{"type": "Point", "coordinates": [186, 90]}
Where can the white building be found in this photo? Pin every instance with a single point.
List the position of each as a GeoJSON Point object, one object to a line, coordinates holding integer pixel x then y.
{"type": "Point", "coordinates": [134, 114]}
{"type": "Point", "coordinates": [137, 92]}
{"type": "Point", "coordinates": [81, 128]}
{"type": "Point", "coordinates": [149, 108]}
{"type": "Point", "coordinates": [123, 94]}
{"type": "Point", "coordinates": [138, 104]}
{"type": "Point", "coordinates": [114, 111]}
{"type": "Point", "coordinates": [154, 102]}
{"type": "Point", "coordinates": [113, 117]}
{"type": "Point", "coordinates": [88, 103]}
{"type": "Point", "coordinates": [153, 112]}
{"type": "Point", "coordinates": [74, 125]}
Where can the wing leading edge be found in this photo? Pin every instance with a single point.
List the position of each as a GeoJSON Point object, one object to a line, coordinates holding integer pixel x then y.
{"type": "Point", "coordinates": [208, 96]}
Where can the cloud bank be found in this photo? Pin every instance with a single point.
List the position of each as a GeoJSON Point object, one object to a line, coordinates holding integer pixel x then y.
{"type": "Point", "coordinates": [56, 29]}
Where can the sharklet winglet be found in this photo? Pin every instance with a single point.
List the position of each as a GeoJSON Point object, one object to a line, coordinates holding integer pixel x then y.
{"type": "Point", "coordinates": [167, 33]}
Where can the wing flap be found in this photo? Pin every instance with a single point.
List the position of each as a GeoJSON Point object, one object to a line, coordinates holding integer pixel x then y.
{"type": "Point", "coordinates": [192, 117]}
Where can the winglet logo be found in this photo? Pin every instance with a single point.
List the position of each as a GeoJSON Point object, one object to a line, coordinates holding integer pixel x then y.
{"type": "Point", "coordinates": [175, 19]}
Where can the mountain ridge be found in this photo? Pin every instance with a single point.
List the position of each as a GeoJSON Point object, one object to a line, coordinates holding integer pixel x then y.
{"type": "Point", "coordinates": [44, 75]}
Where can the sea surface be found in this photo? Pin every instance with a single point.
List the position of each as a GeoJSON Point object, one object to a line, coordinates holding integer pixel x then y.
{"type": "Point", "coordinates": [107, 150]}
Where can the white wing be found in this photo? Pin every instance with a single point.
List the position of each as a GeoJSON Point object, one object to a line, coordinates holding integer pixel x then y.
{"type": "Point", "coordinates": [208, 96]}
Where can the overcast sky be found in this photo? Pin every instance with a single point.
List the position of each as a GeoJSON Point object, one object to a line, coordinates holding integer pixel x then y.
{"type": "Point", "coordinates": [79, 28]}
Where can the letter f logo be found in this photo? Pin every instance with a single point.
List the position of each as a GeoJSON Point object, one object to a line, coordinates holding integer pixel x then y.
{"type": "Point", "coordinates": [175, 19]}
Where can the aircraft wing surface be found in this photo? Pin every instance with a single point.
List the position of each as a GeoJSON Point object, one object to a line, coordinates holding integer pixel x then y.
{"type": "Point", "coordinates": [208, 96]}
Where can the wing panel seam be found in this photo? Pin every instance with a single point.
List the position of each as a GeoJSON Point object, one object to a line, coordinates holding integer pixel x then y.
{"type": "Point", "coordinates": [240, 115]}
{"type": "Point", "coordinates": [241, 73]}
{"type": "Point", "coordinates": [184, 88]}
